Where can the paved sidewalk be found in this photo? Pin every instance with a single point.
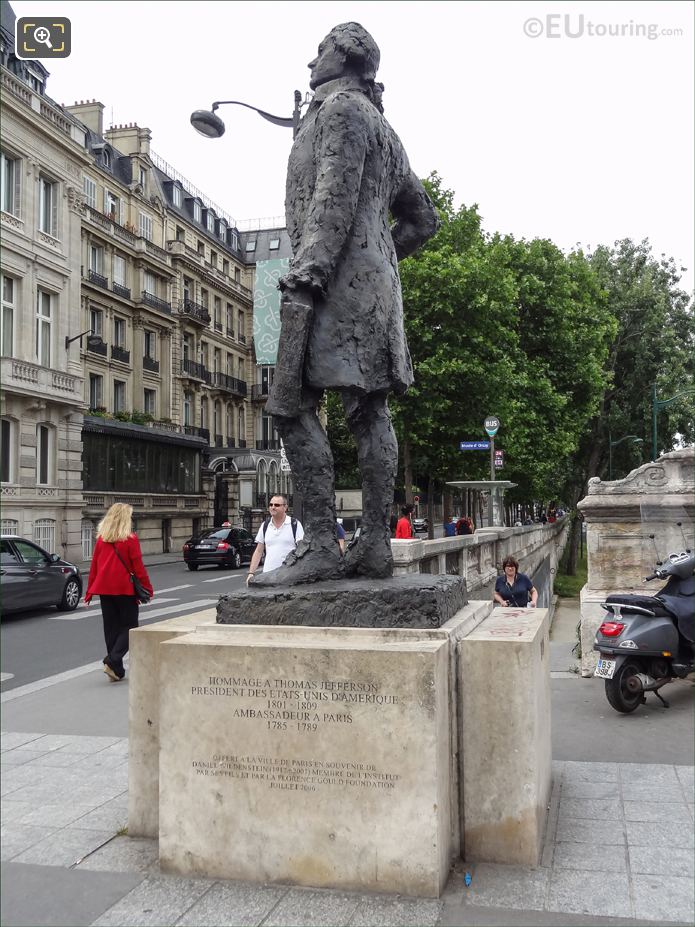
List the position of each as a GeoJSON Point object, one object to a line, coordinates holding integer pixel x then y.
{"type": "Point", "coordinates": [619, 845]}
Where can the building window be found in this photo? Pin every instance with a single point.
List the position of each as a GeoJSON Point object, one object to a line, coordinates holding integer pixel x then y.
{"type": "Point", "coordinates": [187, 408]}
{"type": "Point", "coordinates": [7, 450]}
{"type": "Point", "coordinates": [119, 332]}
{"type": "Point", "coordinates": [96, 321]}
{"type": "Point", "coordinates": [230, 423]}
{"type": "Point", "coordinates": [96, 259]}
{"type": "Point", "coordinates": [213, 258]}
{"type": "Point", "coordinates": [151, 401]}
{"type": "Point", "coordinates": [188, 288]}
{"type": "Point", "coordinates": [150, 345]}
{"type": "Point", "coordinates": [96, 391]}
{"type": "Point", "coordinates": [44, 533]}
{"type": "Point", "coordinates": [225, 267]}
{"type": "Point", "coordinates": [210, 221]}
{"type": "Point", "coordinates": [87, 540]}
{"type": "Point", "coordinates": [217, 302]}
{"type": "Point", "coordinates": [119, 266]}
{"type": "Point", "coordinates": [43, 327]}
{"type": "Point", "coordinates": [250, 246]}
{"type": "Point", "coordinates": [188, 346]}
{"type": "Point", "coordinates": [9, 526]}
{"type": "Point", "coordinates": [119, 396]}
{"type": "Point", "coordinates": [43, 455]}
{"type": "Point", "coordinates": [106, 157]}
{"type": "Point", "coordinates": [180, 233]}
{"type": "Point", "coordinates": [8, 310]}
{"type": "Point", "coordinates": [237, 275]}
{"type": "Point", "coordinates": [177, 196]}
{"type": "Point", "coordinates": [234, 239]}
{"type": "Point", "coordinates": [203, 413]}
{"type": "Point", "coordinates": [241, 425]}
{"type": "Point", "coordinates": [90, 192]}
{"type": "Point", "coordinates": [217, 361]}
{"type": "Point", "coordinates": [197, 211]}
{"type": "Point", "coordinates": [204, 301]}
{"type": "Point", "coordinates": [222, 230]}
{"type": "Point", "coordinates": [150, 283]}
{"type": "Point", "coordinates": [48, 207]}
{"type": "Point", "coordinates": [240, 325]}
{"type": "Point", "coordinates": [201, 249]}
{"type": "Point", "coordinates": [143, 178]}
{"type": "Point", "coordinates": [10, 179]}
{"type": "Point", "coordinates": [112, 206]}
{"type": "Point", "coordinates": [274, 244]}
{"type": "Point", "coordinates": [145, 226]}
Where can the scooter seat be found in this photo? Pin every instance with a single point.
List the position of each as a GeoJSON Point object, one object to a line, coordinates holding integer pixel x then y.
{"type": "Point", "coordinates": [639, 601]}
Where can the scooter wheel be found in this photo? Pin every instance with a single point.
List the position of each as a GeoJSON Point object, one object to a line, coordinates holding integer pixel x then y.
{"type": "Point", "coordinates": [623, 695]}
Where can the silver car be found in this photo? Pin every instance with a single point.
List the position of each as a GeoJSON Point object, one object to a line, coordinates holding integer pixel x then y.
{"type": "Point", "coordinates": [32, 578]}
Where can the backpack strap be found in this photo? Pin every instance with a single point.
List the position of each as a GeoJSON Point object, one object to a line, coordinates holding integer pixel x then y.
{"type": "Point", "coordinates": [266, 522]}
{"type": "Point", "coordinates": [293, 522]}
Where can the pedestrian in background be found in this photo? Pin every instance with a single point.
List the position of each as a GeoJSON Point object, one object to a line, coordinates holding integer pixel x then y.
{"type": "Point", "coordinates": [515, 588]}
{"type": "Point", "coordinates": [404, 529]}
{"type": "Point", "coordinates": [116, 556]}
{"type": "Point", "coordinates": [450, 527]}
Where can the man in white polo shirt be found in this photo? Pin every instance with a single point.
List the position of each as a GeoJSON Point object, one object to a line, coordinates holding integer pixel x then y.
{"type": "Point", "coordinates": [277, 536]}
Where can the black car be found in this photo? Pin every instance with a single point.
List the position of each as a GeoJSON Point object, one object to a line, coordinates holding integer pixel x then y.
{"type": "Point", "coordinates": [30, 577]}
{"type": "Point", "coordinates": [222, 547]}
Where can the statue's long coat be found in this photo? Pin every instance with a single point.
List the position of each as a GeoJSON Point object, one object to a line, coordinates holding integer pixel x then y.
{"type": "Point", "coordinates": [347, 171]}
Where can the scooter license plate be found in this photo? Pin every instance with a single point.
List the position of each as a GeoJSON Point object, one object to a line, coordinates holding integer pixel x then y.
{"type": "Point", "coordinates": [605, 669]}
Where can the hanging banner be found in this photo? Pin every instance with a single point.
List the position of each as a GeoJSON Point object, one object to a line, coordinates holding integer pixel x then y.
{"type": "Point", "coordinates": [266, 308]}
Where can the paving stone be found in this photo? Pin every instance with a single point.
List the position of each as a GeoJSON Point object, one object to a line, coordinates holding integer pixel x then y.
{"type": "Point", "coordinates": [233, 904]}
{"type": "Point", "coordinates": [19, 757]}
{"type": "Point", "coordinates": [590, 772]}
{"type": "Point", "coordinates": [58, 815]}
{"type": "Point", "coordinates": [106, 817]}
{"type": "Point", "coordinates": [48, 742]}
{"type": "Point", "coordinates": [664, 898]}
{"type": "Point", "coordinates": [591, 857]}
{"type": "Point", "coordinates": [667, 833]}
{"type": "Point", "coordinates": [675, 861]}
{"type": "Point", "coordinates": [57, 758]}
{"type": "Point", "coordinates": [156, 902]}
{"type": "Point", "coordinates": [14, 810]}
{"type": "Point", "coordinates": [643, 791]}
{"type": "Point", "coordinates": [123, 854]}
{"type": "Point", "coordinates": [11, 739]}
{"type": "Point", "coordinates": [16, 838]}
{"type": "Point", "coordinates": [686, 777]}
{"type": "Point", "coordinates": [88, 745]}
{"type": "Point", "coordinates": [396, 912]}
{"type": "Point", "coordinates": [655, 811]}
{"type": "Point", "coordinates": [576, 893]}
{"type": "Point", "coordinates": [63, 848]}
{"type": "Point", "coordinates": [607, 833]}
{"type": "Point", "coordinates": [593, 808]}
{"type": "Point", "coordinates": [648, 773]}
{"type": "Point", "coordinates": [307, 908]}
{"type": "Point", "coordinates": [507, 886]}
{"type": "Point", "coordinates": [581, 789]}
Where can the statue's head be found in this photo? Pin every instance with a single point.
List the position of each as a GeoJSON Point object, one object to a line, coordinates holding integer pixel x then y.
{"type": "Point", "coordinates": [348, 49]}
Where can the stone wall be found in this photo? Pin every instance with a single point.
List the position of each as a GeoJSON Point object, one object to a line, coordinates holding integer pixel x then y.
{"type": "Point", "coordinates": [620, 518]}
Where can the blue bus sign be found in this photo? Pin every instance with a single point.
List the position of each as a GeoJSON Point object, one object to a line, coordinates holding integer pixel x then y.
{"type": "Point", "coordinates": [474, 445]}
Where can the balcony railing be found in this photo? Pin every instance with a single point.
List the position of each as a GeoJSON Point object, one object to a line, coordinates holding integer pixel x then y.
{"type": "Point", "coordinates": [229, 384]}
{"type": "Point", "coordinates": [98, 279]}
{"type": "Point", "coordinates": [218, 326]}
{"type": "Point", "coordinates": [155, 302]}
{"type": "Point", "coordinates": [121, 290]}
{"type": "Point", "coordinates": [241, 443]}
{"type": "Point", "coordinates": [120, 354]}
{"type": "Point", "coordinates": [259, 391]}
{"type": "Point", "coordinates": [194, 311]}
{"type": "Point", "coordinates": [267, 445]}
{"type": "Point", "coordinates": [230, 332]}
{"type": "Point", "coordinates": [97, 347]}
{"type": "Point", "coordinates": [230, 442]}
{"type": "Point", "coordinates": [149, 363]}
{"type": "Point", "coordinates": [197, 432]}
{"type": "Point", "coordinates": [242, 339]}
{"type": "Point", "coordinates": [198, 371]}
{"type": "Point", "coordinates": [218, 441]}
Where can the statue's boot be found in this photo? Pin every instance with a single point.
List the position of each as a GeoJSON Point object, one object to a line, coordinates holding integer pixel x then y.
{"type": "Point", "coordinates": [310, 562]}
{"type": "Point", "coordinates": [371, 556]}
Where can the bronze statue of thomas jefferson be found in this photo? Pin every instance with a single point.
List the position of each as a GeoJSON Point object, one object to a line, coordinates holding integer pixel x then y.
{"type": "Point", "coordinates": [342, 312]}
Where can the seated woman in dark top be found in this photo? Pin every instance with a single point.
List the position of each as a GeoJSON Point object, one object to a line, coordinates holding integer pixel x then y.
{"type": "Point", "coordinates": [514, 588]}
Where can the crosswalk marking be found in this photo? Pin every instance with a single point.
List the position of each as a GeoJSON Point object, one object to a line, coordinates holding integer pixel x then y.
{"type": "Point", "coordinates": [185, 606]}
{"type": "Point", "coordinates": [173, 588]}
{"type": "Point", "coordinates": [218, 579]}
{"type": "Point", "coordinates": [91, 612]}
{"type": "Point", "coordinates": [5, 676]}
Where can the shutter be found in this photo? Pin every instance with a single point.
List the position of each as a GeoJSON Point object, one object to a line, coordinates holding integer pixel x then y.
{"type": "Point", "coordinates": [17, 178]}
{"type": "Point", "coordinates": [54, 209]}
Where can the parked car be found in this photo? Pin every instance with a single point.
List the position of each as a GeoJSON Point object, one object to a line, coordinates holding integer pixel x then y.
{"type": "Point", "coordinates": [421, 524]}
{"type": "Point", "coordinates": [30, 577]}
{"type": "Point", "coordinates": [222, 547]}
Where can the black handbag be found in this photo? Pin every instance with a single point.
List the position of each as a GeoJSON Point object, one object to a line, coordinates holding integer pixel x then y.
{"type": "Point", "coordinates": [141, 594]}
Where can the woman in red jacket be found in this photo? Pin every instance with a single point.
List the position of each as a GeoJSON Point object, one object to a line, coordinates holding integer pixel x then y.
{"type": "Point", "coordinates": [109, 578]}
{"type": "Point", "coordinates": [404, 529]}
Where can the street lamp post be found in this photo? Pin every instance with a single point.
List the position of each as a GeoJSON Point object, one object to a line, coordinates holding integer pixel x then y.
{"type": "Point", "coordinates": [209, 124]}
{"type": "Point", "coordinates": [657, 406]}
{"type": "Point", "coordinates": [611, 444]}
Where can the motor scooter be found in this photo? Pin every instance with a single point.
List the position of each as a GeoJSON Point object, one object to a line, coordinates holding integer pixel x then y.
{"type": "Point", "coordinates": [649, 639]}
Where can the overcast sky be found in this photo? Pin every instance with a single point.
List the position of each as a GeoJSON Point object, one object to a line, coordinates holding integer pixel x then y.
{"type": "Point", "coordinates": [577, 137]}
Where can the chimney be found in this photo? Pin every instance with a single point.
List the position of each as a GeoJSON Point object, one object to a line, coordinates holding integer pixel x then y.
{"type": "Point", "coordinates": [129, 139]}
{"type": "Point", "coordinates": [90, 113]}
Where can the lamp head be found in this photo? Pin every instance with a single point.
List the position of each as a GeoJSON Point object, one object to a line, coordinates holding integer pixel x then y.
{"type": "Point", "coordinates": [207, 123]}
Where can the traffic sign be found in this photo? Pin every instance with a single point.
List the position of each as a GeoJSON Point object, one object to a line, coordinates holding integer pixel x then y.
{"type": "Point", "coordinates": [474, 445]}
{"type": "Point", "coordinates": [416, 500]}
{"type": "Point", "coordinates": [491, 425]}
{"type": "Point", "coordinates": [499, 460]}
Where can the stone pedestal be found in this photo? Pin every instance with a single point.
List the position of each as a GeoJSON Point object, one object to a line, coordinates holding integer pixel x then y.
{"type": "Point", "coordinates": [320, 757]}
{"type": "Point", "coordinates": [143, 718]}
{"type": "Point", "coordinates": [620, 516]}
{"type": "Point", "coordinates": [504, 683]}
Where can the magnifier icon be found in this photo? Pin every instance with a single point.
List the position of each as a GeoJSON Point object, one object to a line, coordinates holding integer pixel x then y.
{"type": "Point", "coordinates": [43, 36]}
